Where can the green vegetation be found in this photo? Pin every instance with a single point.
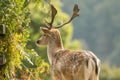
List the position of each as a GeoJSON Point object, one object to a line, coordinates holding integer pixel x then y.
{"type": "Point", "coordinates": [14, 15]}
{"type": "Point", "coordinates": [109, 73]}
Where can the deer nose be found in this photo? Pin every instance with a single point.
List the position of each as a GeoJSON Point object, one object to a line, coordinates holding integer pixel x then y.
{"type": "Point", "coordinates": [38, 41]}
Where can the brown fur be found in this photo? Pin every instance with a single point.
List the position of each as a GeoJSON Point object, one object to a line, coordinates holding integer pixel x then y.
{"type": "Point", "coordinates": [68, 64]}
{"type": "Point", "coordinates": [56, 33]}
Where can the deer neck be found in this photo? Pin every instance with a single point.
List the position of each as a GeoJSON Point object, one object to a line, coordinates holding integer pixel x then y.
{"type": "Point", "coordinates": [52, 48]}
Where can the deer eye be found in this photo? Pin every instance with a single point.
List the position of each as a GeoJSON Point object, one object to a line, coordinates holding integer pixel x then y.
{"type": "Point", "coordinates": [45, 35]}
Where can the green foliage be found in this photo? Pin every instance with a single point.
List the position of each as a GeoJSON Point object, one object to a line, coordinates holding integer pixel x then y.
{"type": "Point", "coordinates": [109, 73]}
{"type": "Point", "coordinates": [14, 15]}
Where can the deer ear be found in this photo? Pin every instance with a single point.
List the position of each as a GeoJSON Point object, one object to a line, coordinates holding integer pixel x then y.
{"type": "Point", "coordinates": [45, 30]}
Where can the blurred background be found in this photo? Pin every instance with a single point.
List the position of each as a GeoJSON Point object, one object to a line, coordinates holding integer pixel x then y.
{"type": "Point", "coordinates": [98, 27]}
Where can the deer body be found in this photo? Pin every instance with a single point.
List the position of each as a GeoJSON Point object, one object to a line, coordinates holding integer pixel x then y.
{"type": "Point", "coordinates": [68, 64]}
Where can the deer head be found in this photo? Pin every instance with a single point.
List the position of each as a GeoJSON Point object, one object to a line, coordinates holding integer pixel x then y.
{"type": "Point", "coordinates": [49, 30]}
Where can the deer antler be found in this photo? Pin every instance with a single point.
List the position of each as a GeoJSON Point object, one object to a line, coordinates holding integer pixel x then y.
{"type": "Point", "coordinates": [54, 12]}
{"type": "Point", "coordinates": [75, 14]}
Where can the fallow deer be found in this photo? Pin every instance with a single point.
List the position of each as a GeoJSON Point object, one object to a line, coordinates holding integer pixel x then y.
{"type": "Point", "coordinates": [68, 64]}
